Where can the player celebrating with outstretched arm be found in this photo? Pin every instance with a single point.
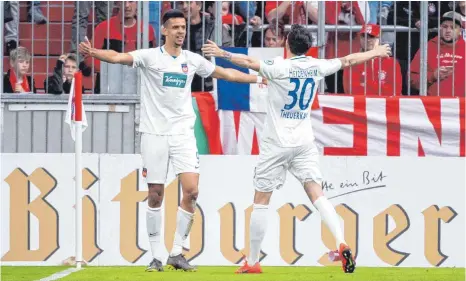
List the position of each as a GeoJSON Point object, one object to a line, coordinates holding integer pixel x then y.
{"type": "Point", "coordinates": [167, 122]}
{"type": "Point", "coordinates": [287, 139]}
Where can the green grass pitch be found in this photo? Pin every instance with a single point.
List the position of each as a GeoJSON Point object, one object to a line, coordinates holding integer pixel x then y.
{"type": "Point", "coordinates": [225, 273]}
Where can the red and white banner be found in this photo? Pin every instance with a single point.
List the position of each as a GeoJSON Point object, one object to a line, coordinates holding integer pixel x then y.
{"type": "Point", "coordinates": [361, 126]}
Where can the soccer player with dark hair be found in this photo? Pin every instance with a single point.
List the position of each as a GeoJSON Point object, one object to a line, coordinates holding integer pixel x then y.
{"type": "Point", "coordinates": [287, 141]}
{"type": "Point", "coordinates": [167, 122]}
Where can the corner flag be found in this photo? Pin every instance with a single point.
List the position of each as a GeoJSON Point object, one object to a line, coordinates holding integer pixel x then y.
{"type": "Point", "coordinates": [75, 111]}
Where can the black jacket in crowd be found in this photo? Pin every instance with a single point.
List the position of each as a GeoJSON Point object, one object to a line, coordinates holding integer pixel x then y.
{"type": "Point", "coordinates": [56, 85]}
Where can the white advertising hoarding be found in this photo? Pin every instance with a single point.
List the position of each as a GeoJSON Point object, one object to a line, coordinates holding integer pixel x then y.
{"type": "Point", "coordinates": [396, 211]}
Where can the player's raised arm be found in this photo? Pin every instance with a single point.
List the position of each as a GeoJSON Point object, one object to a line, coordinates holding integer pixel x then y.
{"type": "Point", "coordinates": [110, 56]}
{"type": "Point", "coordinates": [211, 49]}
{"type": "Point", "coordinates": [382, 51]}
{"type": "Point", "coordinates": [234, 75]}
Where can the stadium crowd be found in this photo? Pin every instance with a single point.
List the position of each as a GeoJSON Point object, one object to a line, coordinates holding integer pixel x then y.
{"type": "Point", "coordinates": [40, 35]}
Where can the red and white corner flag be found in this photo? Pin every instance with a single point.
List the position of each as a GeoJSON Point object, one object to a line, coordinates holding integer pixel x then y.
{"type": "Point", "coordinates": [76, 118]}
{"type": "Point", "coordinates": [75, 110]}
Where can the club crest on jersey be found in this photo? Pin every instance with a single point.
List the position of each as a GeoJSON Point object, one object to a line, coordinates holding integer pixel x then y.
{"type": "Point", "coordinates": [184, 67]}
{"type": "Point", "coordinates": [144, 172]}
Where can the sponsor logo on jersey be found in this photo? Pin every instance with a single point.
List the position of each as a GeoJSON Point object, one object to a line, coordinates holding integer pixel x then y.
{"type": "Point", "coordinates": [184, 67]}
{"type": "Point", "coordinates": [269, 62]}
{"type": "Point", "coordinates": [175, 80]}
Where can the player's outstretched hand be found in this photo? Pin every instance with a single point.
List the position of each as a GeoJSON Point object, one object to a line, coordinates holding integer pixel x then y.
{"type": "Point", "coordinates": [85, 47]}
{"type": "Point", "coordinates": [383, 51]}
{"type": "Point", "coordinates": [210, 49]}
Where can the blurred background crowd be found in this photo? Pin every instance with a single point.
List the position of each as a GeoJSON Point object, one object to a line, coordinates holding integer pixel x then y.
{"type": "Point", "coordinates": [40, 39]}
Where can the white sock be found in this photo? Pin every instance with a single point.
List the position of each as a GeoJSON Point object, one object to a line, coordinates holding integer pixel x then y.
{"type": "Point", "coordinates": [184, 222]}
{"type": "Point", "coordinates": [331, 219]}
{"type": "Point", "coordinates": [257, 228]}
{"type": "Point", "coordinates": [153, 224]}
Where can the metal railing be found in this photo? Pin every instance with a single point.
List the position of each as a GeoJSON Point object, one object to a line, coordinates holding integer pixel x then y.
{"type": "Point", "coordinates": [34, 124]}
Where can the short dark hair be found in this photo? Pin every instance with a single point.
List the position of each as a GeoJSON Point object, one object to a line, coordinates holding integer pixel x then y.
{"type": "Point", "coordinates": [280, 31]}
{"type": "Point", "coordinates": [299, 39]}
{"type": "Point", "coordinates": [171, 14]}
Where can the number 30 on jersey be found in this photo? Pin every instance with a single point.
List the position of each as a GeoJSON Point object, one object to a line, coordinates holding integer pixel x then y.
{"type": "Point", "coordinates": [303, 91]}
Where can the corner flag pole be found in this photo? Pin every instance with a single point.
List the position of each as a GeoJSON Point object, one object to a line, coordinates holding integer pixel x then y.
{"type": "Point", "coordinates": [78, 165]}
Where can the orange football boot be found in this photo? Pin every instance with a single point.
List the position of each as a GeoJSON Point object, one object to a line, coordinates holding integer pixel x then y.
{"type": "Point", "coordinates": [347, 260]}
{"type": "Point", "coordinates": [246, 268]}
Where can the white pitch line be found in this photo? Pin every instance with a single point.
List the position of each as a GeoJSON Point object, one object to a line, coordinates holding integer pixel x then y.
{"type": "Point", "coordinates": [60, 274]}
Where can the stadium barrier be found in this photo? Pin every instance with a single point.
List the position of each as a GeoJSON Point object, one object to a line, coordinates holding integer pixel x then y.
{"type": "Point", "coordinates": [33, 123]}
{"type": "Point", "coordinates": [343, 125]}
{"type": "Point", "coordinates": [393, 214]}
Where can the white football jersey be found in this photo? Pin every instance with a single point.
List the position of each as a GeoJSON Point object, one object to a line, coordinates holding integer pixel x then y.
{"type": "Point", "coordinates": [166, 102]}
{"type": "Point", "coordinates": [292, 86]}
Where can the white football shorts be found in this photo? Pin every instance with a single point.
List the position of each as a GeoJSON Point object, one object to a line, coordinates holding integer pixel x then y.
{"type": "Point", "coordinates": [275, 161]}
{"type": "Point", "coordinates": [158, 150]}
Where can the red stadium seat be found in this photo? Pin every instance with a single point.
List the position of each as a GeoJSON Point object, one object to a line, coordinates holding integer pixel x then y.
{"type": "Point", "coordinates": [56, 47]}
{"type": "Point", "coordinates": [55, 31]}
{"type": "Point", "coordinates": [55, 13]}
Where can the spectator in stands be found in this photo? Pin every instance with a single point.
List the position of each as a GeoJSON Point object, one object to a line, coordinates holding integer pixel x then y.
{"type": "Point", "coordinates": [403, 10]}
{"type": "Point", "coordinates": [274, 35]}
{"type": "Point", "coordinates": [194, 41]}
{"type": "Point", "coordinates": [247, 10]}
{"type": "Point", "coordinates": [291, 12]}
{"type": "Point", "coordinates": [237, 35]}
{"type": "Point", "coordinates": [103, 10]}
{"type": "Point", "coordinates": [373, 73]}
{"type": "Point", "coordinates": [342, 43]}
{"type": "Point", "coordinates": [156, 11]}
{"type": "Point", "coordinates": [7, 17]}
{"type": "Point", "coordinates": [35, 13]}
{"type": "Point", "coordinates": [227, 16]}
{"type": "Point", "coordinates": [381, 16]}
{"type": "Point", "coordinates": [11, 27]}
{"type": "Point", "coordinates": [16, 79]}
{"type": "Point", "coordinates": [445, 66]}
{"type": "Point", "coordinates": [60, 81]}
{"type": "Point", "coordinates": [109, 35]}
{"type": "Point", "coordinates": [461, 9]}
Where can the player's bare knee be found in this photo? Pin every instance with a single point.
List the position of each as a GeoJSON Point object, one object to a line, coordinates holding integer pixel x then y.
{"type": "Point", "coordinates": [155, 195]}
{"type": "Point", "coordinates": [262, 198]}
{"type": "Point", "coordinates": [313, 190]}
{"type": "Point", "coordinates": [191, 194]}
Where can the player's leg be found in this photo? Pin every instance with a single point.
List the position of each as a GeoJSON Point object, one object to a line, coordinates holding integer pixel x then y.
{"type": "Point", "coordinates": [305, 167]}
{"type": "Point", "coordinates": [332, 220]}
{"type": "Point", "coordinates": [270, 174]}
{"type": "Point", "coordinates": [184, 221]}
{"type": "Point", "coordinates": [154, 152]}
{"type": "Point", "coordinates": [185, 159]}
{"type": "Point", "coordinates": [258, 226]}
